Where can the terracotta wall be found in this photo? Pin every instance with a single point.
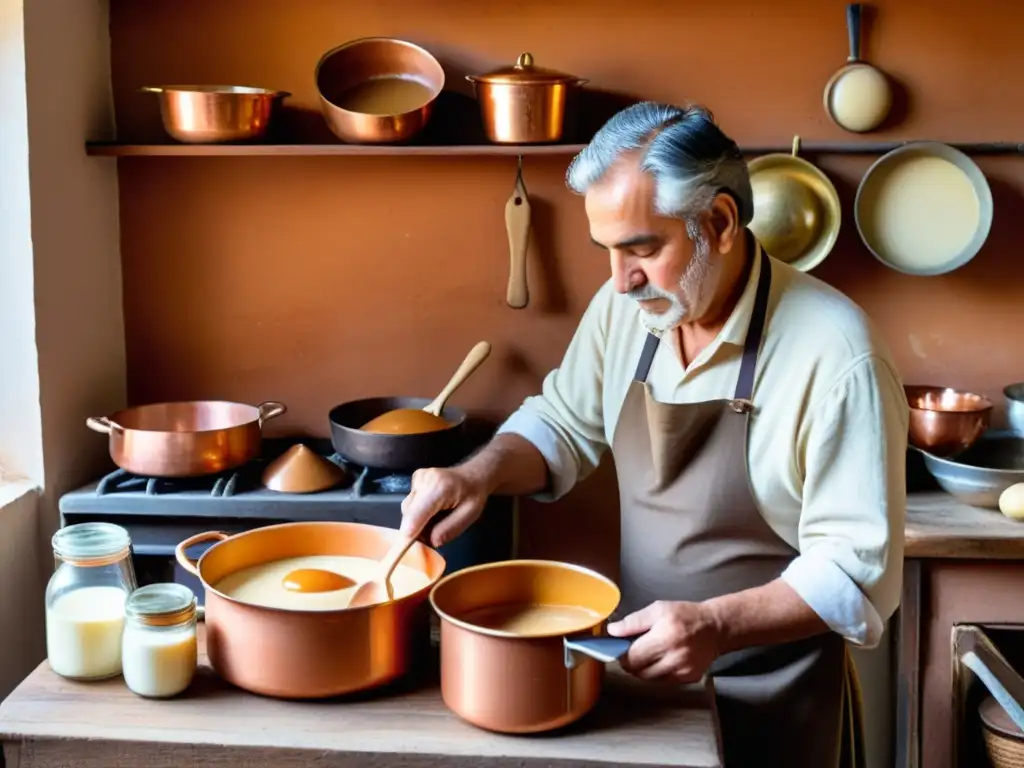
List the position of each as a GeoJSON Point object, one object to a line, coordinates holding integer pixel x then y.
{"type": "Point", "coordinates": [316, 280]}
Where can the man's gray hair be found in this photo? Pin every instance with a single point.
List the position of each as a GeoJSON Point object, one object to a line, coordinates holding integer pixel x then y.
{"type": "Point", "coordinates": [691, 160]}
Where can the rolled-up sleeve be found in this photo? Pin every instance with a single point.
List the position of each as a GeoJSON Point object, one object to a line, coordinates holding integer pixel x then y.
{"type": "Point", "coordinates": [851, 530]}
{"type": "Point", "coordinates": [566, 420]}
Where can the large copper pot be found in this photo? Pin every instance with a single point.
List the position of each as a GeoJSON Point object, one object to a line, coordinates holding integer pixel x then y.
{"type": "Point", "coordinates": [371, 58]}
{"type": "Point", "coordinates": [512, 683]}
{"type": "Point", "coordinates": [523, 104]}
{"type": "Point", "coordinates": [306, 654]}
{"type": "Point", "coordinates": [185, 439]}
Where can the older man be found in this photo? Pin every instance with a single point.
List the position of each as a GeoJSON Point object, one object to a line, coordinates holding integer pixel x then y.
{"type": "Point", "coordinates": [759, 433]}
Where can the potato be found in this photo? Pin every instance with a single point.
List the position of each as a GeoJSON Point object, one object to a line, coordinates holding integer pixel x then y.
{"type": "Point", "coordinates": [1011, 501]}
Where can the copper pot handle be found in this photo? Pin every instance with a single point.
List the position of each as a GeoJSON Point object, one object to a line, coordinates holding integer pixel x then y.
{"type": "Point", "coordinates": [270, 409]}
{"type": "Point", "coordinates": [103, 425]}
{"type": "Point", "coordinates": [604, 649]}
{"type": "Point", "coordinates": [187, 562]}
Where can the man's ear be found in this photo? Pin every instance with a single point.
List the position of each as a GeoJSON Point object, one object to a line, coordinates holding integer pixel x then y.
{"type": "Point", "coordinates": [725, 222]}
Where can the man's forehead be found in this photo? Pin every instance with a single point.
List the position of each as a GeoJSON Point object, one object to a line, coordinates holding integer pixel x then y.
{"type": "Point", "coordinates": [620, 207]}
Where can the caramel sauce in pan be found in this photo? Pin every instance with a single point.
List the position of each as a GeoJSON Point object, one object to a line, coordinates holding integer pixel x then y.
{"type": "Point", "coordinates": [529, 619]}
{"type": "Point", "coordinates": [389, 95]}
{"type": "Point", "coordinates": [405, 421]}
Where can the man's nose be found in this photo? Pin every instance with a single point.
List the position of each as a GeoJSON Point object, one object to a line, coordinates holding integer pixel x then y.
{"type": "Point", "coordinates": [623, 278]}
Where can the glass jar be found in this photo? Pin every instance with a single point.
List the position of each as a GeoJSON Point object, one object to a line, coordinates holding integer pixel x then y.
{"type": "Point", "coordinates": [159, 649]}
{"type": "Point", "coordinates": [85, 600]}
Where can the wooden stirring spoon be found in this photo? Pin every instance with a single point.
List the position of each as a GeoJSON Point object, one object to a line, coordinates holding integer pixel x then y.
{"type": "Point", "coordinates": [379, 590]}
{"type": "Point", "coordinates": [410, 421]}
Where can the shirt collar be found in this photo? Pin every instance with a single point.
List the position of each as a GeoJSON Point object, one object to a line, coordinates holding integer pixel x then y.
{"type": "Point", "coordinates": [735, 329]}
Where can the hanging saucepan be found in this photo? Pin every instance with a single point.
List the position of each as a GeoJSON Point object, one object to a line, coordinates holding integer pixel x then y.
{"type": "Point", "coordinates": [185, 439]}
{"type": "Point", "coordinates": [925, 208]}
{"type": "Point", "coordinates": [522, 649]}
{"type": "Point", "coordinates": [404, 434]}
{"type": "Point", "coordinates": [796, 208]}
{"type": "Point", "coordinates": [300, 649]}
{"type": "Point", "coordinates": [857, 97]}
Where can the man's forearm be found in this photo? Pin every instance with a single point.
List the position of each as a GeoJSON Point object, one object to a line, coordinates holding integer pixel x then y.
{"type": "Point", "coordinates": [767, 615]}
{"type": "Point", "coordinates": [509, 465]}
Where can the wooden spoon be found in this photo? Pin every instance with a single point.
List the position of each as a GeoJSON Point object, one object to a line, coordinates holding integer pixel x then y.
{"type": "Point", "coordinates": [517, 223]}
{"type": "Point", "coordinates": [379, 590]}
{"type": "Point", "coordinates": [408, 421]}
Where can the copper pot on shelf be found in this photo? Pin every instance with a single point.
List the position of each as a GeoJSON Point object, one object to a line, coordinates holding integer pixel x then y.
{"type": "Point", "coordinates": [515, 683]}
{"type": "Point", "coordinates": [212, 114]}
{"type": "Point", "coordinates": [524, 104]}
{"type": "Point", "coordinates": [297, 654]}
{"type": "Point", "coordinates": [357, 64]}
{"type": "Point", "coordinates": [185, 439]}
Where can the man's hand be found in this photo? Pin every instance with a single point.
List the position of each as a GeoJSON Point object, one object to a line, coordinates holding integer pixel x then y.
{"type": "Point", "coordinates": [439, 490]}
{"type": "Point", "coordinates": [679, 641]}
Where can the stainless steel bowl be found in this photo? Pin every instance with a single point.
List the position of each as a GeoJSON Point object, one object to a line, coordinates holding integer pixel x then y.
{"type": "Point", "coordinates": [982, 472]}
{"type": "Point", "coordinates": [1014, 395]}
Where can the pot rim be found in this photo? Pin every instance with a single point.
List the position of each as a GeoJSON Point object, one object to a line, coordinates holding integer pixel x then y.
{"type": "Point", "coordinates": [258, 417]}
{"type": "Point", "coordinates": [517, 563]}
{"type": "Point", "coordinates": [304, 612]}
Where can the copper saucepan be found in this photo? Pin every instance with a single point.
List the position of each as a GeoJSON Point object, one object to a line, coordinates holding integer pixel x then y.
{"type": "Point", "coordinates": [185, 439]}
{"type": "Point", "coordinates": [512, 682]}
{"type": "Point", "coordinates": [307, 654]}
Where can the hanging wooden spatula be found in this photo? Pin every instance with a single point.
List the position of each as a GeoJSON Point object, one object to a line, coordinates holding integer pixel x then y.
{"type": "Point", "coordinates": [517, 223]}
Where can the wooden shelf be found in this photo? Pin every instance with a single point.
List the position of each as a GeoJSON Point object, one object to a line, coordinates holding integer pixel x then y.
{"type": "Point", "coordinates": [105, 149]}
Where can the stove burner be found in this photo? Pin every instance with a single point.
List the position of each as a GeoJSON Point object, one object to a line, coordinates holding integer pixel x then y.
{"type": "Point", "coordinates": [226, 484]}
{"type": "Point", "coordinates": [372, 481]}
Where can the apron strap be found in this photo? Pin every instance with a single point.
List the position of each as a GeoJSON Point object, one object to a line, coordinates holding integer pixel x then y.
{"type": "Point", "coordinates": [752, 345]}
{"type": "Point", "coordinates": [643, 366]}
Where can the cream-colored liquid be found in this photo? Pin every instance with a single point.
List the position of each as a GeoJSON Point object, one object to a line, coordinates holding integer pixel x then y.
{"type": "Point", "coordinates": [159, 662]}
{"type": "Point", "coordinates": [391, 95]}
{"type": "Point", "coordinates": [860, 98]}
{"type": "Point", "coordinates": [83, 632]}
{"type": "Point", "coordinates": [526, 619]}
{"type": "Point", "coordinates": [263, 584]}
{"type": "Point", "coordinates": [921, 213]}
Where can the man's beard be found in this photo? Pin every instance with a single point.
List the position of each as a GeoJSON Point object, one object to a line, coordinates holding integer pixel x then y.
{"type": "Point", "coordinates": [683, 302]}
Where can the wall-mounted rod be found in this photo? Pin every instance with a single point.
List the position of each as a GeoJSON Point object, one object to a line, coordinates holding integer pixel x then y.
{"type": "Point", "coordinates": [880, 148]}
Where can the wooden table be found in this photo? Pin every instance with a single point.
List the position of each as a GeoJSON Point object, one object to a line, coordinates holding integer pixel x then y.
{"type": "Point", "coordinates": [961, 564]}
{"type": "Point", "coordinates": [49, 722]}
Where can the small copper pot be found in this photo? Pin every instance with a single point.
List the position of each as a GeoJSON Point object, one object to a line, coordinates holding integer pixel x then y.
{"type": "Point", "coordinates": [369, 58]}
{"type": "Point", "coordinates": [211, 114]}
{"type": "Point", "coordinates": [946, 422]}
{"type": "Point", "coordinates": [306, 654]}
{"type": "Point", "coordinates": [512, 683]}
{"type": "Point", "coordinates": [186, 439]}
{"type": "Point", "coordinates": [523, 104]}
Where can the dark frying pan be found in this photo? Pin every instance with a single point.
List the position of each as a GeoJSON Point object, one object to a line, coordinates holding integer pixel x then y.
{"type": "Point", "coordinates": [396, 453]}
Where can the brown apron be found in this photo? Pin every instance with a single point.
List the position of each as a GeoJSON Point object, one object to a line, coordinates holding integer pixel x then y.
{"type": "Point", "coordinates": [691, 530]}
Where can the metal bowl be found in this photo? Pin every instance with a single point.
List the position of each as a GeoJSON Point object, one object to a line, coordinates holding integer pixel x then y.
{"type": "Point", "coordinates": [944, 421]}
{"type": "Point", "coordinates": [211, 114]}
{"type": "Point", "coordinates": [1014, 395]}
{"type": "Point", "coordinates": [980, 474]}
{"type": "Point", "coordinates": [363, 61]}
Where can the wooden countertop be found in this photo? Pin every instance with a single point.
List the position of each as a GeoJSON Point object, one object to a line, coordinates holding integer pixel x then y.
{"type": "Point", "coordinates": [939, 526]}
{"type": "Point", "coordinates": [49, 721]}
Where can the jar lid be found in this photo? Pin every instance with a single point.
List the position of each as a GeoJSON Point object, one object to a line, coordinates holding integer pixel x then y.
{"type": "Point", "coordinates": [523, 72]}
{"type": "Point", "coordinates": [161, 604]}
{"type": "Point", "coordinates": [87, 542]}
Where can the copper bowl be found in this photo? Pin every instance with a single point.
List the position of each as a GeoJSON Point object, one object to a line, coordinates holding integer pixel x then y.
{"type": "Point", "coordinates": [376, 58]}
{"type": "Point", "coordinates": [944, 421]}
{"type": "Point", "coordinates": [211, 114]}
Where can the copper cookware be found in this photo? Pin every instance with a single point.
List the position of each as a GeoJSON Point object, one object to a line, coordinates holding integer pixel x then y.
{"type": "Point", "coordinates": [796, 208]}
{"type": "Point", "coordinates": [185, 439]}
{"type": "Point", "coordinates": [512, 683]}
{"type": "Point", "coordinates": [944, 421]}
{"type": "Point", "coordinates": [523, 104]}
{"type": "Point", "coordinates": [306, 654]}
{"type": "Point", "coordinates": [372, 58]}
{"type": "Point", "coordinates": [209, 114]}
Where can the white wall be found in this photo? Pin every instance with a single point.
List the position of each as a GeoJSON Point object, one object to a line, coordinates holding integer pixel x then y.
{"type": "Point", "coordinates": [61, 326]}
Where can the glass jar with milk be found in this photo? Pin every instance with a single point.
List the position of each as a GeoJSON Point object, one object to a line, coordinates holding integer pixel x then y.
{"type": "Point", "coordinates": [85, 600]}
{"type": "Point", "coordinates": [159, 649]}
